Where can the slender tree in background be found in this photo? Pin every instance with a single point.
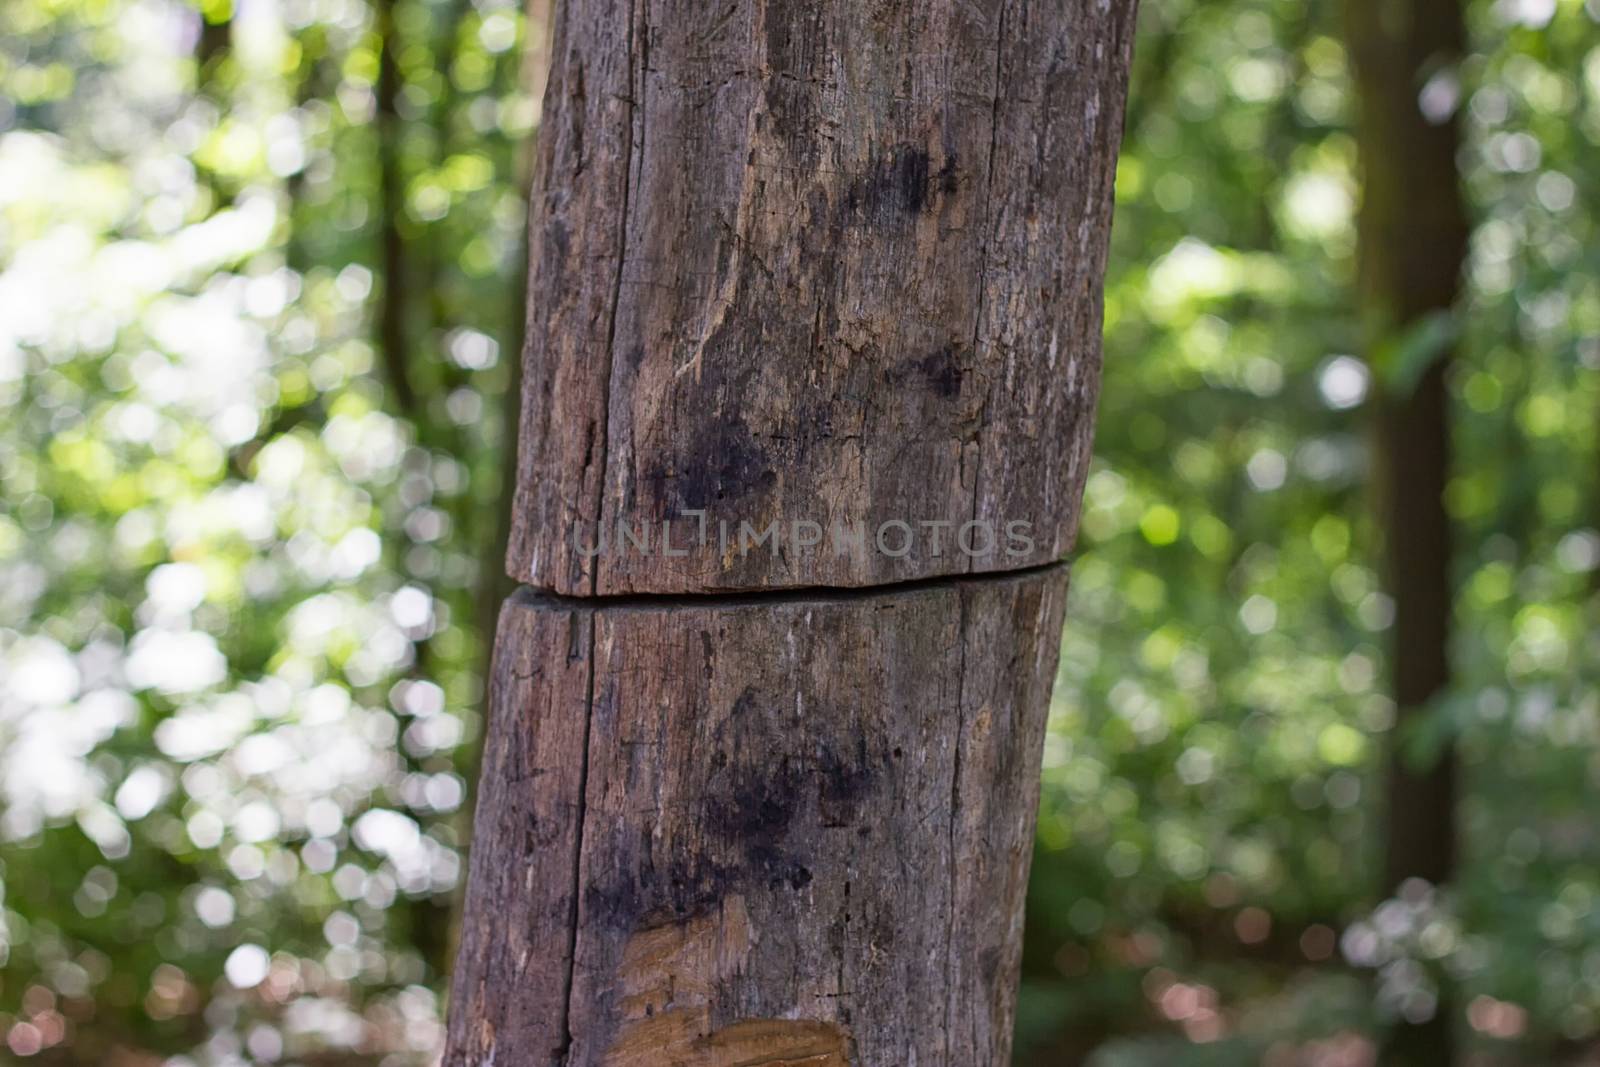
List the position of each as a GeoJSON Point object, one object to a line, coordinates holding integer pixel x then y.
{"type": "Point", "coordinates": [394, 305]}
{"type": "Point", "coordinates": [494, 584]}
{"type": "Point", "coordinates": [211, 44]}
{"type": "Point", "coordinates": [803, 269]}
{"type": "Point", "coordinates": [1413, 238]}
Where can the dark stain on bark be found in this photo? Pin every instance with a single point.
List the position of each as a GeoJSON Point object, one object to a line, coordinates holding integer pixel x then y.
{"type": "Point", "coordinates": [901, 184]}
{"type": "Point", "coordinates": [847, 782]}
{"type": "Point", "coordinates": [942, 371]}
{"type": "Point", "coordinates": [728, 465]}
{"type": "Point", "coordinates": [558, 246]}
{"type": "Point", "coordinates": [687, 889]}
{"type": "Point", "coordinates": [756, 805]}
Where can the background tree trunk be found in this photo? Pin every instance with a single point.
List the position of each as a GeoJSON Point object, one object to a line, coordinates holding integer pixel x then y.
{"type": "Point", "coordinates": [395, 300]}
{"type": "Point", "coordinates": [1413, 239]}
{"type": "Point", "coordinates": [833, 262]}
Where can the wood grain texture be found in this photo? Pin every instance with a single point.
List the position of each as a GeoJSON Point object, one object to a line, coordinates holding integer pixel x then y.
{"type": "Point", "coordinates": [835, 261]}
{"type": "Point", "coordinates": [762, 831]}
{"type": "Point", "coordinates": [511, 979]}
{"type": "Point", "coordinates": [827, 262]}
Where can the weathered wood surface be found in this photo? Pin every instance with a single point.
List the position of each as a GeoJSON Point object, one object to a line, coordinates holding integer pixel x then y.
{"type": "Point", "coordinates": [757, 832]}
{"type": "Point", "coordinates": [822, 262]}
{"type": "Point", "coordinates": [817, 260]}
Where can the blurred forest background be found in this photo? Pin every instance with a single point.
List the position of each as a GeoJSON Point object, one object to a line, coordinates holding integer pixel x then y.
{"type": "Point", "coordinates": [261, 274]}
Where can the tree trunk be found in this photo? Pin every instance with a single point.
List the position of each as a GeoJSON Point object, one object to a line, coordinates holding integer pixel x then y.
{"type": "Point", "coordinates": [815, 310]}
{"type": "Point", "coordinates": [1413, 239]}
{"type": "Point", "coordinates": [394, 299]}
{"type": "Point", "coordinates": [216, 34]}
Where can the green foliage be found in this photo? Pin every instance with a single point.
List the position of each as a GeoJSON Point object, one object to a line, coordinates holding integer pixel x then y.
{"type": "Point", "coordinates": [236, 722]}
{"type": "Point", "coordinates": [1212, 804]}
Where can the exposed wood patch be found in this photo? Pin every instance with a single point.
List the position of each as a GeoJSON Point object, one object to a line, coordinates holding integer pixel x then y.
{"type": "Point", "coordinates": [668, 979]}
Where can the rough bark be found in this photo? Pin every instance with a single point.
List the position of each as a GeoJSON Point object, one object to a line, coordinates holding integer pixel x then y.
{"type": "Point", "coordinates": [835, 262]}
{"type": "Point", "coordinates": [1413, 240]}
{"type": "Point", "coordinates": [830, 261]}
{"type": "Point", "coordinates": [759, 830]}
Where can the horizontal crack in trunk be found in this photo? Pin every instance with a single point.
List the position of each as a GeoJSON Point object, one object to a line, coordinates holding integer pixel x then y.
{"type": "Point", "coordinates": [822, 594]}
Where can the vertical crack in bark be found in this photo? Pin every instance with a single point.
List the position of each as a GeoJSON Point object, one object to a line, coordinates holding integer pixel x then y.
{"type": "Point", "coordinates": [634, 100]}
{"type": "Point", "coordinates": [955, 817]}
{"type": "Point", "coordinates": [990, 224]}
{"type": "Point", "coordinates": [574, 912]}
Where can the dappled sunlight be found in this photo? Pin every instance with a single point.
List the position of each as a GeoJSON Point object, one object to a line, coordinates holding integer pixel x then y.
{"type": "Point", "coordinates": [250, 473]}
{"type": "Point", "coordinates": [239, 641]}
